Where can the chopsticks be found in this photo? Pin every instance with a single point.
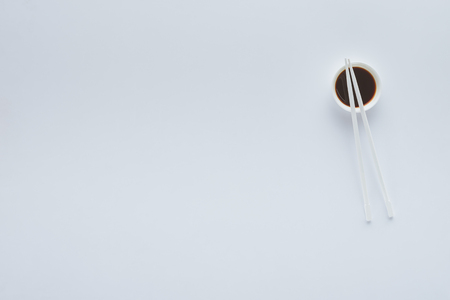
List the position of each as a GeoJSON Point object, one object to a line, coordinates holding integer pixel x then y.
{"type": "Point", "coordinates": [350, 73]}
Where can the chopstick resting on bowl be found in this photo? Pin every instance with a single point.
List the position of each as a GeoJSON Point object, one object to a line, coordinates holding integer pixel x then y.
{"type": "Point", "coordinates": [358, 145]}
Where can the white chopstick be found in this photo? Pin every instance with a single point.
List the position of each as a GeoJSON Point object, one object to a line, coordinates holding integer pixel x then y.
{"type": "Point", "coordinates": [387, 202]}
{"type": "Point", "coordinates": [358, 145]}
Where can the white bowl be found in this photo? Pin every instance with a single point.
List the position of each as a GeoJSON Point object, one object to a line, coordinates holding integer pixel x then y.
{"type": "Point", "coordinates": [375, 97]}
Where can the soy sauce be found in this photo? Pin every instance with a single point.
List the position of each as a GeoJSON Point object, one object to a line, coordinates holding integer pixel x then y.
{"type": "Point", "coordinates": [366, 84]}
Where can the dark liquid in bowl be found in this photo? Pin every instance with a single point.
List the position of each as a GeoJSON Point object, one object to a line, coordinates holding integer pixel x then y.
{"type": "Point", "coordinates": [366, 84]}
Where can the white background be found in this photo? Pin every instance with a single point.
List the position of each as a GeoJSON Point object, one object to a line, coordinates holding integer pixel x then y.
{"type": "Point", "coordinates": [192, 150]}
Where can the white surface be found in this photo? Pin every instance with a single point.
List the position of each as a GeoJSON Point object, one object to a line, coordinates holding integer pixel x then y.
{"type": "Point", "coordinates": [179, 150]}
